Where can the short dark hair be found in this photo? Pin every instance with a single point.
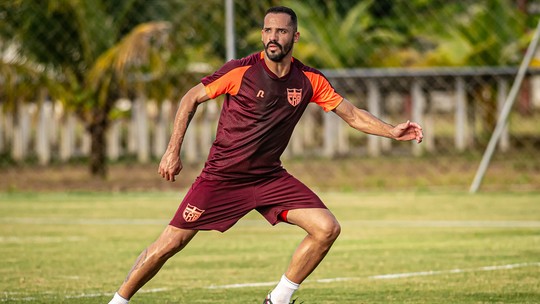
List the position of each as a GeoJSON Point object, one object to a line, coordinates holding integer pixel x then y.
{"type": "Point", "coordinates": [284, 10]}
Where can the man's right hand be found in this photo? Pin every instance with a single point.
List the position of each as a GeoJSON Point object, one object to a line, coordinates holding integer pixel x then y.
{"type": "Point", "coordinates": [170, 165]}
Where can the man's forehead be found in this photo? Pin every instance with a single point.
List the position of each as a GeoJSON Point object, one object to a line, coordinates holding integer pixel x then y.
{"type": "Point", "coordinates": [277, 19]}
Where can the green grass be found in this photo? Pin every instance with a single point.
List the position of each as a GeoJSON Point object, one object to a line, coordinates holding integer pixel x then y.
{"type": "Point", "coordinates": [78, 247]}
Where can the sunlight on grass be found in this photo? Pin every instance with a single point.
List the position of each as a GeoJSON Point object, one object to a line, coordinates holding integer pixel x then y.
{"type": "Point", "coordinates": [77, 248]}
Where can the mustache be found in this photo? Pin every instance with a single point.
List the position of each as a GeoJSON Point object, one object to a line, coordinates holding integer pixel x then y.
{"type": "Point", "coordinates": [274, 43]}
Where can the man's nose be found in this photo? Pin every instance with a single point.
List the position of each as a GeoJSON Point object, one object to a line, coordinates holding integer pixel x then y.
{"type": "Point", "coordinates": [273, 36]}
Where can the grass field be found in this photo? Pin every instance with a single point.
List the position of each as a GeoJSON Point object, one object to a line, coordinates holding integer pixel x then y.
{"type": "Point", "coordinates": [402, 247]}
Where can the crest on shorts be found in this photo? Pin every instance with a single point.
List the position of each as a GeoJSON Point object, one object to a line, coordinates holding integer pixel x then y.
{"type": "Point", "coordinates": [294, 96]}
{"type": "Point", "coordinates": [192, 213]}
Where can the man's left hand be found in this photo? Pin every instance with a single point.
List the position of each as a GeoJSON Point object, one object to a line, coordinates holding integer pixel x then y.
{"type": "Point", "coordinates": [408, 131]}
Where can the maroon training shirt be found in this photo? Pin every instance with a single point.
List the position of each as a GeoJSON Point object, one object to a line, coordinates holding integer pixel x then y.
{"type": "Point", "coordinates": [259, 114]}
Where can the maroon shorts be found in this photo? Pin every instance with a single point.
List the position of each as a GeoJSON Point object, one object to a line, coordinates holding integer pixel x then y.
{"type": "Point", "coordinates": [218, 205]}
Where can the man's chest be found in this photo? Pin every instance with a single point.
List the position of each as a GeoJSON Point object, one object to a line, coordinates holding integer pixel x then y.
{"type": "Point", "coordinates": [260, 92]}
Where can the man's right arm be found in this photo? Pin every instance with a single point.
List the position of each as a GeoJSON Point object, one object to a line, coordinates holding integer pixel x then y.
{"type": "Point", "coordinates": [171, 164]}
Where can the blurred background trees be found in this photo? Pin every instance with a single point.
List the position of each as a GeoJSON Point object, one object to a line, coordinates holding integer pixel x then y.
{"type": "Point", "coordinates": [89, 54]}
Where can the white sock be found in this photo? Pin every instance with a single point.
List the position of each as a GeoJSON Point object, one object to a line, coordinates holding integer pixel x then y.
{"type": "Point", "coordinates": [284, 290]}
{"type": "Point", "coordinates": [117, 299]}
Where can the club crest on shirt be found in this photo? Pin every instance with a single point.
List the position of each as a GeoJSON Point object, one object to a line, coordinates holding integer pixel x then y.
{"type": "Point", "coordinates": [192, 213]}
{"type": "Point", "coordinates": [294, 96]}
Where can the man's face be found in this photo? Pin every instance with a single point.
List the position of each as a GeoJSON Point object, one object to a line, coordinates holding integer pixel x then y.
{"type": "Point", "coordinates": [278, 36]}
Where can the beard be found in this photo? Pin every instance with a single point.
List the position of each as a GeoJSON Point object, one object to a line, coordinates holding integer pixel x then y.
{"type": "Point", "coordinates": [283, 50]}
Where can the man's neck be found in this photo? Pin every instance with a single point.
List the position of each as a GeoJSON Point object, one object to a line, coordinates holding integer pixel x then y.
{"type": "Point", "coordinates": [281, 68]}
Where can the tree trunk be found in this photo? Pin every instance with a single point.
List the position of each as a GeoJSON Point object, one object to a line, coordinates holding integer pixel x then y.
{"type": "Point", "coordinates": [98, 158]}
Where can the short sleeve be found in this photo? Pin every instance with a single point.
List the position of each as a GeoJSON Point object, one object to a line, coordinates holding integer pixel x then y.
{"type": "Point", "coordinates": [226, 80]}
{"type": "Point", "coordinates": [324, 94]}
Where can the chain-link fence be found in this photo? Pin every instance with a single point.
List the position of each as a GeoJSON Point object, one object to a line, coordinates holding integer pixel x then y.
{"type": "Point", "coordinates": [80, 77]}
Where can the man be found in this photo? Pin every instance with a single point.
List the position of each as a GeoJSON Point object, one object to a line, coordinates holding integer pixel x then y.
{"type": "Point", "coordinates": [266, 94]}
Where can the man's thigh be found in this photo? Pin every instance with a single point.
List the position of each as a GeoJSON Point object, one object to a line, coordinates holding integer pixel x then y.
{"type": "Point", "coordinates": [313, 220]}
{"type": "Point", "coordinates": [284, 194]}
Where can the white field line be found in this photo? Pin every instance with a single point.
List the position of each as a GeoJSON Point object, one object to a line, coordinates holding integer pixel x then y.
{"type": "Point", "coordinates": [39, 239]}
{"type": "Point", "coordinates": [8, 296]}
{"type": "Point", "coordinates": [95, 295]}
{"type": "Point", "coordinates": [388, 276]}
{"type": "Point", "coordinates": [446, 223]}
{"type": "Point", "coordinates": [253, 222]}
{"type": "Point", "coordinates": [80, 221]}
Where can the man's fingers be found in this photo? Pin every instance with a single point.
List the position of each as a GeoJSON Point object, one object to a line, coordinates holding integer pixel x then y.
{"type": "Point", "coordinates": [165, 174]}
{"type": "Point", "coordinates": [419, 134]}
{"type": "Point", "coordinates": [161, 172]}
{"type": "Point", "coordinates": [169, 176]}
{"type": "Point", "coordinates": [409, 129]}
{"type": "Point", "coordinates": [417, 126]}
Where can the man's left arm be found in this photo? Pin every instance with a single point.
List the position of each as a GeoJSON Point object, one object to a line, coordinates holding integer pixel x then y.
{"type": "Point", "coordinates": [364, 121]}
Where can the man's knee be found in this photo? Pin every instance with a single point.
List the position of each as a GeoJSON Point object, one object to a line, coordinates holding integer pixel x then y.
{"type": "Point", "coordinates": [320, 224]}
{"type": "Point", "coordinates": [171, 241]}
{"type": "Point", "coordinates": [329, 230]}
{"type": "Point", "coordinates": [326, 231]}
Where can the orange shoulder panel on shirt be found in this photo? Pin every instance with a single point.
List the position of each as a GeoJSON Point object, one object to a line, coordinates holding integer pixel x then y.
{"type": "Point", "coordinates": [323, 93]}
{"type": "Point", "coordinates": [229, 83]}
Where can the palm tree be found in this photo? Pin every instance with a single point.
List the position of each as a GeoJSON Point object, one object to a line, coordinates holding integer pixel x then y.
{"type": "Point", "coordinates": [88, 54]}
{"type": "Point", "coordinates": [340, 40]}
{"type": "Point", "coordinates": [18, 81]}
{"type": "Point", "coordinates": [490, 33]}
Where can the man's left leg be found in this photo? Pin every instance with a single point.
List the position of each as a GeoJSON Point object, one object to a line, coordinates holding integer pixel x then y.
{"type": "Point", "coordinates": [322, 230]}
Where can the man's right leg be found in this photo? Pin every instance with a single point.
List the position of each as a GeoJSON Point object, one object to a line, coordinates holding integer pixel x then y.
{"type": "Point", "coordinates": [323, 229]}
{"type": "Point", "coordinates": [150, 261]}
